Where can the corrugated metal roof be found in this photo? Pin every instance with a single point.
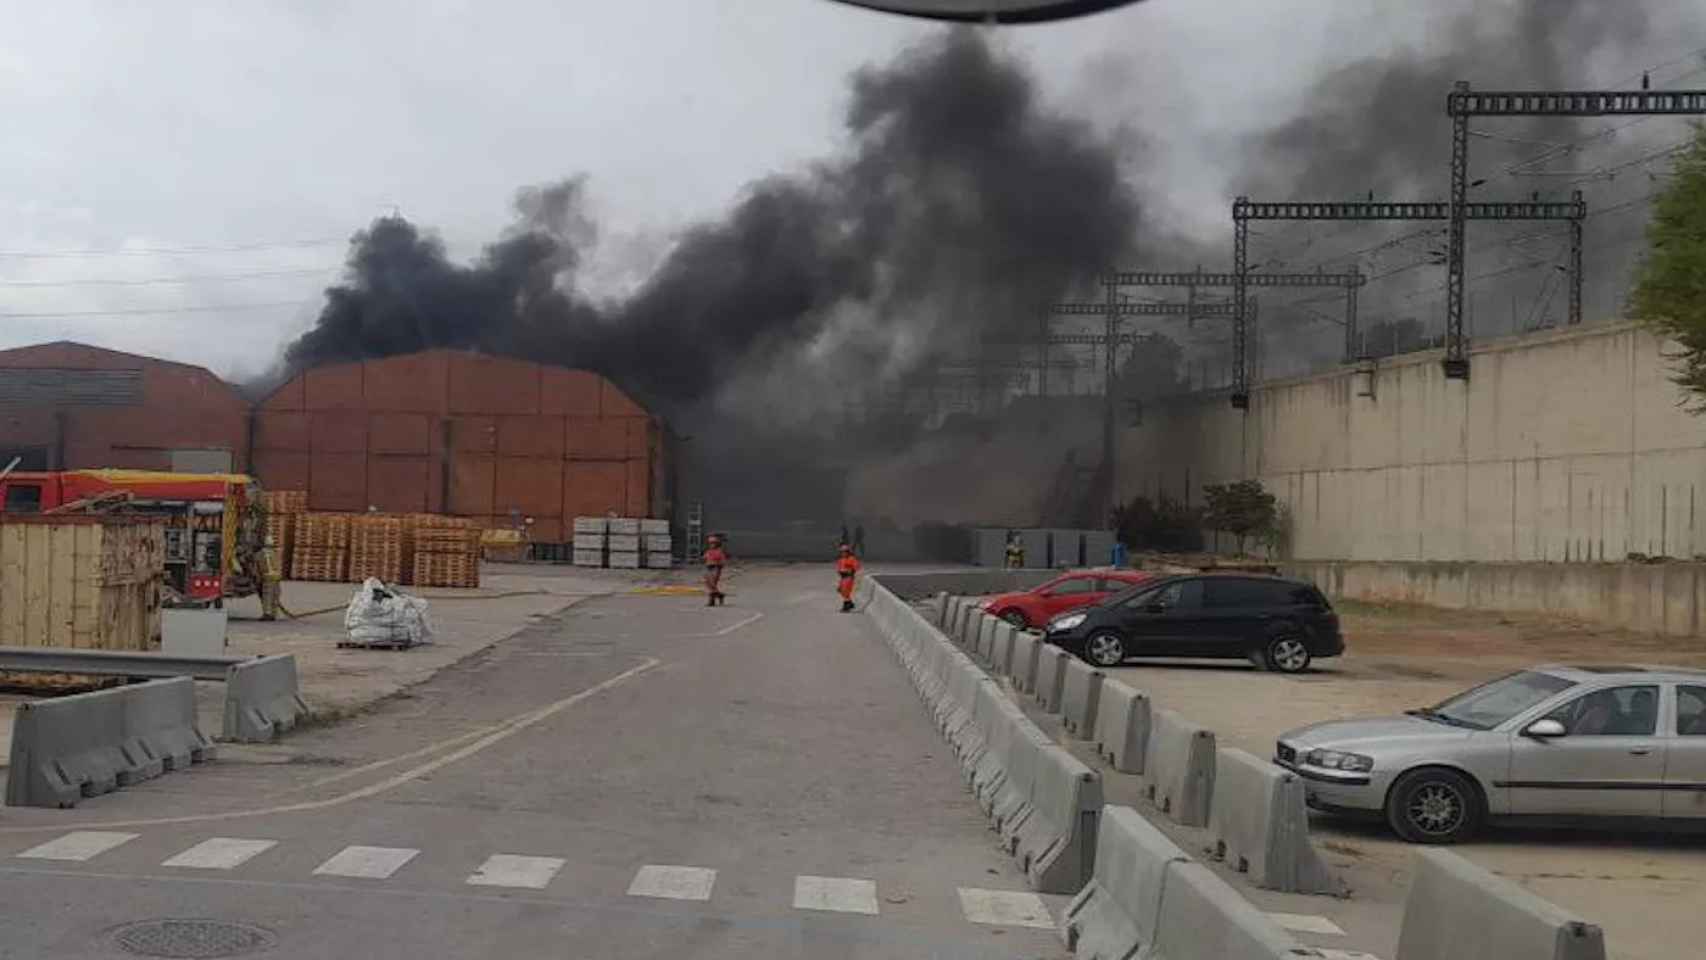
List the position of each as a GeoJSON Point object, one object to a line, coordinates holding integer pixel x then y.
{"type": "Point", "coordinates": [59, 386]}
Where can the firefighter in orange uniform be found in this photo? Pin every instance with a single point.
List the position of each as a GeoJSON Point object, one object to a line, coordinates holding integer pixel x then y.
{"type": "Point", "coordinates": [847, 567]}
{"type": "Point", "coordinates": [715, 559]}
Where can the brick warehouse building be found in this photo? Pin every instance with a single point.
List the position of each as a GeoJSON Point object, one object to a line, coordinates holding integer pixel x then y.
{"type": "Point", "coordinates": [447, 431]}
{"type": "Point", "coordinates": [67, 405]}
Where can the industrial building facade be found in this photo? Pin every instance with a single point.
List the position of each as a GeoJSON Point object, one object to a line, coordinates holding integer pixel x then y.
{"type": "Point", "coordinates": [502, 440]}
{"type": "Point", "coordinates": [66, 406]}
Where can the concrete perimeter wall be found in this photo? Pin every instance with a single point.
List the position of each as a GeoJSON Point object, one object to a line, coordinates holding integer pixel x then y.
{"type": "Point", "coordinates": [1666, 598]}
{"type": "Point", "coordinates": [1562, 446]}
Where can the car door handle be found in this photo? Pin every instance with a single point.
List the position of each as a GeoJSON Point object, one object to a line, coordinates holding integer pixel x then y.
{"type": "Point", "coordinates": [1640, 751]}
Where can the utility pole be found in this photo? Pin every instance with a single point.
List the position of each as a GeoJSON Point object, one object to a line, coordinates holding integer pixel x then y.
{"type": "Point", "coordinates": [1463, 103]}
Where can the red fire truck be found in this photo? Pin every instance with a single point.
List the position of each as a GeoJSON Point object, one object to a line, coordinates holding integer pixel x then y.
{"type": "Point", "coordinates": [215, 522]}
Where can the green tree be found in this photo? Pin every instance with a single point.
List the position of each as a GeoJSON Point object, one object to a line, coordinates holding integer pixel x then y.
{"type": "Point", "coordinates": [1670, 284]}
{"type": "Point", "coordinates": [1241, 509]}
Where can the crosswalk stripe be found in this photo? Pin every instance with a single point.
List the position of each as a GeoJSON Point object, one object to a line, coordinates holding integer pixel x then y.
{"type": "Point", "coordinates": [511, 870]}
{"type": "Point", "coordinates": [367, 863]}
{"type": "Point", "coordinates": [1307, 923]}
{"type": "Point", "coordinates": [840, 894]}
{"type": "Point", "coordinates": [220, 853]}
{"type": "Point", "coordinates": [78, 845]}
{"type": "Point", "coordinates": [1005, 908]}
{"type": "Point", "coordinates": [673, 883]}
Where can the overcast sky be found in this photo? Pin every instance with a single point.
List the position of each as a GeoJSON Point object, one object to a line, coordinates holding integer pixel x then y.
{"type": "Point", "coordinates": [138, 136]}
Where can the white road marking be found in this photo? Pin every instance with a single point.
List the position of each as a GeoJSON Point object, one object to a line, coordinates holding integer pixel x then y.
{"type": "Point", "coordinates": [1005, 908]}
{"type": "Point", "coordinates": [368, 863]}
{"type": "Point", "coordinates": [510, 870]}
{"type": "Point", "coordinates": [220, 853]}
{"type": "Point", "coordinates": [673, 883]}
{"type": "Point", "coordinates": [1307, 923]}
{"type": "Point", "coordinates": [840, 894]}
{"type": "Point", "coordinates": [1327, 954]}
{"type": "Point", "coordinates": [78, 845]}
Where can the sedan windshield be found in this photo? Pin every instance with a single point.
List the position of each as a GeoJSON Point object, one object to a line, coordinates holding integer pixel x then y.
{"type": "Point", "coordinates": [1490, 704]}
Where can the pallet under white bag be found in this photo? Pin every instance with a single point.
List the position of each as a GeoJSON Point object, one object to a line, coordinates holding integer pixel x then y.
{"type": "Point", "coordinates": [380, 615]}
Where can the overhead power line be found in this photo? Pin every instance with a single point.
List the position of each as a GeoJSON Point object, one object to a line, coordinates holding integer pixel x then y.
{"type": "Point", "coordinates": [148, 311]}
{"type": "Point", "coordinates": [151, 281]}
{"type": "Point", "coordinates": [170, 251]}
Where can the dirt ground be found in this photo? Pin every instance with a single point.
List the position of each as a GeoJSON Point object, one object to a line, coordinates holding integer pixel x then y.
{"type": "Point", "coordinates": [1643, 889]}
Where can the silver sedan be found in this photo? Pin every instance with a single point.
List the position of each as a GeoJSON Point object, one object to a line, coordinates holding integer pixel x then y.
{"type": "Point", "coordinates": [1553, 741]}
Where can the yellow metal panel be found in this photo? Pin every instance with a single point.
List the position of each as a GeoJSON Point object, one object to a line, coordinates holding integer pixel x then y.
{"type": "Point", "coordinates": [61, 584]}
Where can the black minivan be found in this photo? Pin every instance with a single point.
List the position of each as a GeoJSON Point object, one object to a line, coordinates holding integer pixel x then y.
{"type": "Point", "coordinates": [1278, 623]}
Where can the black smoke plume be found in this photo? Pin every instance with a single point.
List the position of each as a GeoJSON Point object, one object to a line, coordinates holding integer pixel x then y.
{"type": "Point", "coordinates": [962, 210]}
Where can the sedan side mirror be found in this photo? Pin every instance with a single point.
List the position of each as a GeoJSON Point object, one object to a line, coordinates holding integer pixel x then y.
{"type": "Point", "coordinates": [1155, 608]}
{"type": "Point", "coordinates": [1545, 728]}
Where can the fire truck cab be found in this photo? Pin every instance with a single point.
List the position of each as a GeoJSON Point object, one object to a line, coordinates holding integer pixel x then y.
{"type": "Point", "coordinates": [215, 522]}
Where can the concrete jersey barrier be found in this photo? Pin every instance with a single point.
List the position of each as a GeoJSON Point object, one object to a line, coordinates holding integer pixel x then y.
{"type": "Point", "coordinates": [1178, 775]}
{"type": "Point", "coordinates": [1260, 826]}
{"type": "Point", "coordinates": [1204, 918]}
{"type": "Point", "coordinates": [93, 743]}
{"type": "Point", "coordinates": [1080, 692]}
{"type": "Point", "coordinates": [1458, 911]}
{"type": "Point", "coordinates": [1051, 675]}
{"type": "Point", "coordinates": [262, 699]}
{"type": "Point", "coordinates": [1056, 844]}
{"type": "Point", "coordinates": [1118, 912]}
{"type": "Point", "coordinates": [1122, 726]}
{"type": "Point", "coordinates": [986, 639]}
{"type": "Point", "coordinates": [1001, 658]}
{"type": "Point", "coordinates": [1022, 666]}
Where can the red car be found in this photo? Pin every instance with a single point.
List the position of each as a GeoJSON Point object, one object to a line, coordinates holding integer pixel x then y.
{"type": "Point", "coordinates": [1069, 591]}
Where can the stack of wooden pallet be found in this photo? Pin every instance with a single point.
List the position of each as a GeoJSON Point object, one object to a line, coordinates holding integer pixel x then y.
{"type": "Point", "coordinates": [447, 552]}
{"type": "Point", "coordinates": [282, 507]}
{"type": "Point", "coordinates": [380, 546]}
{"type": "Point", "coordinates": [321, 547]}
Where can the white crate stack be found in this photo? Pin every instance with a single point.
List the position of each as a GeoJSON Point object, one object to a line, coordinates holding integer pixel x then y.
{"type": "Point", "coordinates": [590, 533]}
{"type": "Point", "coordinates": [655, 546]}
{"type": "Point", "coordinates": [624, 543]}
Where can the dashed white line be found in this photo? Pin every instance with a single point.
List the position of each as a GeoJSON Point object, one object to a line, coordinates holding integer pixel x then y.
{"type": "Point", "coordinates": [1307, 923]}
{"type": "Point", "coordinates": [78, 845]}
{"type": "Point", "coordinates": [1327, 954]}
{"type": "Point", "coordinates": [510, 870]}
{"type": "Point", "coordinates": [838, 894]}
{"type": "Point", "coordinates": [367, 863]}
{"type": "Point", "coordinates": [1005, 908]}
{"type": "Point", "coordinates": [220, 853]}
{"type": "Point", "coordinates": [673, 883]}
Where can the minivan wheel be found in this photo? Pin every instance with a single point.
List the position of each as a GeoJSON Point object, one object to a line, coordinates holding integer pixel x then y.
{"type": "Point", "coordinates": [1016, 618]}
{"type": "Point", "coordinates": [1286, 654]}
{"type": "Point", "coordinates": [1105, 649]}
{"type": "Point", "coordinates": [1434, 805]}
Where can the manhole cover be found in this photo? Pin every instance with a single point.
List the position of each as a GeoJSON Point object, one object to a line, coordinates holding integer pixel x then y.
{"type": "Point", "coordinates": [191, 938]}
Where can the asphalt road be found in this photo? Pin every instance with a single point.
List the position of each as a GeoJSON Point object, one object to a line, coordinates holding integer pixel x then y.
{"type": "Point", "coordinates": [638, 776]}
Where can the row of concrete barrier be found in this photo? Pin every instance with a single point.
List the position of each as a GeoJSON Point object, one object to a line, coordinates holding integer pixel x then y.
{"type": "Point", "coordinates": [68, 748]}
{"type": "Point", "coordinates": [1147, 894]}
{"type": "Point", "coordinates": [93, 743]}
{"type": "Point", "coordinates": [1042, 801]}
{"type": "Point", "coordinates": [1261, 826]}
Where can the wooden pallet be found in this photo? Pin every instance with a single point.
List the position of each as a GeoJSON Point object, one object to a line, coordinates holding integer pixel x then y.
{"type": "Point", "coordinates": [319, 563]}
{"type": "Point", "coordinates": [447, 570]}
